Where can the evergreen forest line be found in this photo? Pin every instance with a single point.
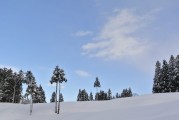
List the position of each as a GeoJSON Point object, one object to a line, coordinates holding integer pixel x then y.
{"type": "Point", "coordinates": [166, 78]}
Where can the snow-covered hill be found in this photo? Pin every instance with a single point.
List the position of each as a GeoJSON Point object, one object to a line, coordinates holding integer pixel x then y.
{"type": "Point", "coordinates": [146, 107]}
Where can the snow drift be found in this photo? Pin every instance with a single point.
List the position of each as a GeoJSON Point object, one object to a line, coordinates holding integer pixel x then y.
{"type": "Point", "coordinates": [146, 107]}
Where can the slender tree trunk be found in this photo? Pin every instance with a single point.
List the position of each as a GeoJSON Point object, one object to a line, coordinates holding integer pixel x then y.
{"type": "Point", "coordinates": [59, 100]}
{"type": "Point", "coordinates": [56, 98]}
{"type": "Point", "coordinates": [31, 105]}
{"type": "Point", "coordinates": [97, 93]}
{"type": "Point", "coordinates": [31, 101]}
{"type": "Point", "coordinates": [13, 101]}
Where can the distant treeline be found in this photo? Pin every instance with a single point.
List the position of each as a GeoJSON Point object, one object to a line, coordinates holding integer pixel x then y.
{"type": "Point", "coordinates": [83, 95]}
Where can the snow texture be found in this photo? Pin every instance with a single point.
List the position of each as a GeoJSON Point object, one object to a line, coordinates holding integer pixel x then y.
{"type": "Point", "coordinates": [147, 107]}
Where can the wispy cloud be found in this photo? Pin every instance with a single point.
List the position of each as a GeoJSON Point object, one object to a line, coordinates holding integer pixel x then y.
{"type": "Point", "coordinates": [116, 39]}
{"type": "Point", "coordinates": [82, 73]}
{"type": "Point", "coordinates": [83, 33]}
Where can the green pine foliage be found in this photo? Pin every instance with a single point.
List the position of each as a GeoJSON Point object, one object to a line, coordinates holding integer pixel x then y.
{"type": "Point", "coordinates": [166, 78]}
{"type": "Point", "coordinates": [101, 96]}
{"type": "Point", "coordinates": [117, 95]}
{"type": "Point", "coordinates": [58, 77]}
{"type": "Point", "coordinates": [156, 86]}
{"type": "Point", "coordinates": [53, 97]}
{"type": "Point", "coordinates": [97, 83]}
{"type": "Point", "coordinates": [10, 85]}
{"type": "Point", "coordinates": [32, 88]}
{"type": "Point", "coordinates": [82, 95]}
{"type": "Point", "coordinates": [109, 95]}
{"type": "Point", "coordinates": [91, 96]}
{"type": "Point", "coordinates": [39, 95]}
{"type": "Point", "coordinates": [61, 97]}
{"type": "Point", "coordinates": [126, 93]}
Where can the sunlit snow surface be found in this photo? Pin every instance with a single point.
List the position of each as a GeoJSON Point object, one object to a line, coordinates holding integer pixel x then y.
{"type": "Point", "coordinates": [146, 107]}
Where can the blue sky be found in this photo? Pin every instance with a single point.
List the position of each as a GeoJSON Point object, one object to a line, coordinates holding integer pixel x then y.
{"type": "Point", "coordinates": [118, 40]}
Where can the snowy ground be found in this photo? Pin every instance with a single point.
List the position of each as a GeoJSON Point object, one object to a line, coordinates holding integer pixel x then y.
{"type": "Point", "coordinates": [147, 107]}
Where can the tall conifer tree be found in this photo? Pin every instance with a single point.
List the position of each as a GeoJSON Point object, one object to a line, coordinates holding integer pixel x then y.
{"type": "Point", "coordinates": [31, 87]}
{"type": "Point", "coordinates": [96, 85]}
{"type": "Point", "coordinates": [156, 85]}
{"type": "Point", "coordinates": [58, 77]}
{"type": "Point", "coordinates": [164, 82]}
{"type": "Point", "coordinates": [171, 74]}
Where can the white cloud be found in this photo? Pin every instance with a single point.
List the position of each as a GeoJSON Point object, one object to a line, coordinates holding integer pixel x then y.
{"type": "Point", "coordinates": [116, 39]}
{"type": "Point", "coordinates": [83, 33]}
{"type": "Point", "coordinates": [82, 73]}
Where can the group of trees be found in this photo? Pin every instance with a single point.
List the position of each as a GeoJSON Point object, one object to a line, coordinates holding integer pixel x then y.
{"type": "Point", "coordinates": [83, 95]}
{"type": "Point", "coordinates": [11, 89]}
{"type": "Point", "coordinates": [10, 85]}
{"type": "Point", "coordinates": [125, 93]}
{"type": "Point", "coordinates": [53, 97]}
{"type": "Point", "coordinates": [166, 77]}
{"type": "Point", "coordinates": [36, 92]}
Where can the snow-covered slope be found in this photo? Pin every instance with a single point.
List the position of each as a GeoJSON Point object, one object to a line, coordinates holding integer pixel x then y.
{"type": "Point", "coordinates": [146, 107]}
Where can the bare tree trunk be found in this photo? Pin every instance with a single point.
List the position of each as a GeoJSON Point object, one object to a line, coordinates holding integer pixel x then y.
{"type": "Point", "coordinates": [31, 101]}
{"type": "Point", "coordinates": [13, 100]}
{"type": "Point", "coordinates": [97, 93]}
{"type": "Point", "coordinates": [58, 100]}
{"type": "Point", "coordinates": [31, 105]}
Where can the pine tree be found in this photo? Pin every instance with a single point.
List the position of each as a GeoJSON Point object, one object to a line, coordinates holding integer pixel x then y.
{"type": "Point", "coordinates": [17, 86]}
{"type": "Point", "coordinates": [129, 92]}
{"type": "Point", "coordinates": [171, 74]}
{"type": "Point", "coordinates": [109, 97]}
{"type": "Point", "coordinates": [41, 95]}
{"type": "Point", "coordinates": [31, 87]}
{"type": "Point", "coordinates": [126, 93]}
{"type": "Point", "coordinates": [156, 85]}
{"type": "Point", "coordinates": [36, 95]}
{"type": "Point", "coordinates": [61, 97]}
{"type": "Point", "coordinates": [117, 95]}
{"type": "Point", "coordinates": [101, 95]}
{"type": "Point", "coordinates": [79, 95]}
{"type": "Point", "coordinates": [10, 86]}
{"type": "Point", "coordinates": [82, 95]}
{"type": "Point", "coordinates": [165, 78]}
{"type": "Point", "coordinates": [7, 85]}
{"type": "Point", "coordinates": [123, 94]}
{"type": "Point", "coordinates": [96, 85]}
{"type": "Point", "coordinates": [91, 96]}
{"type": "Point", "coordinates": [53, 97]}
{"type": "Point", "coordinates": [3, 78]}
{"type": "Point", "coordinates": [58, 77]}
{"type": "Point", "coordinates": [1, 85]}
{"type": "Point", "coordinates": [176, 76]}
